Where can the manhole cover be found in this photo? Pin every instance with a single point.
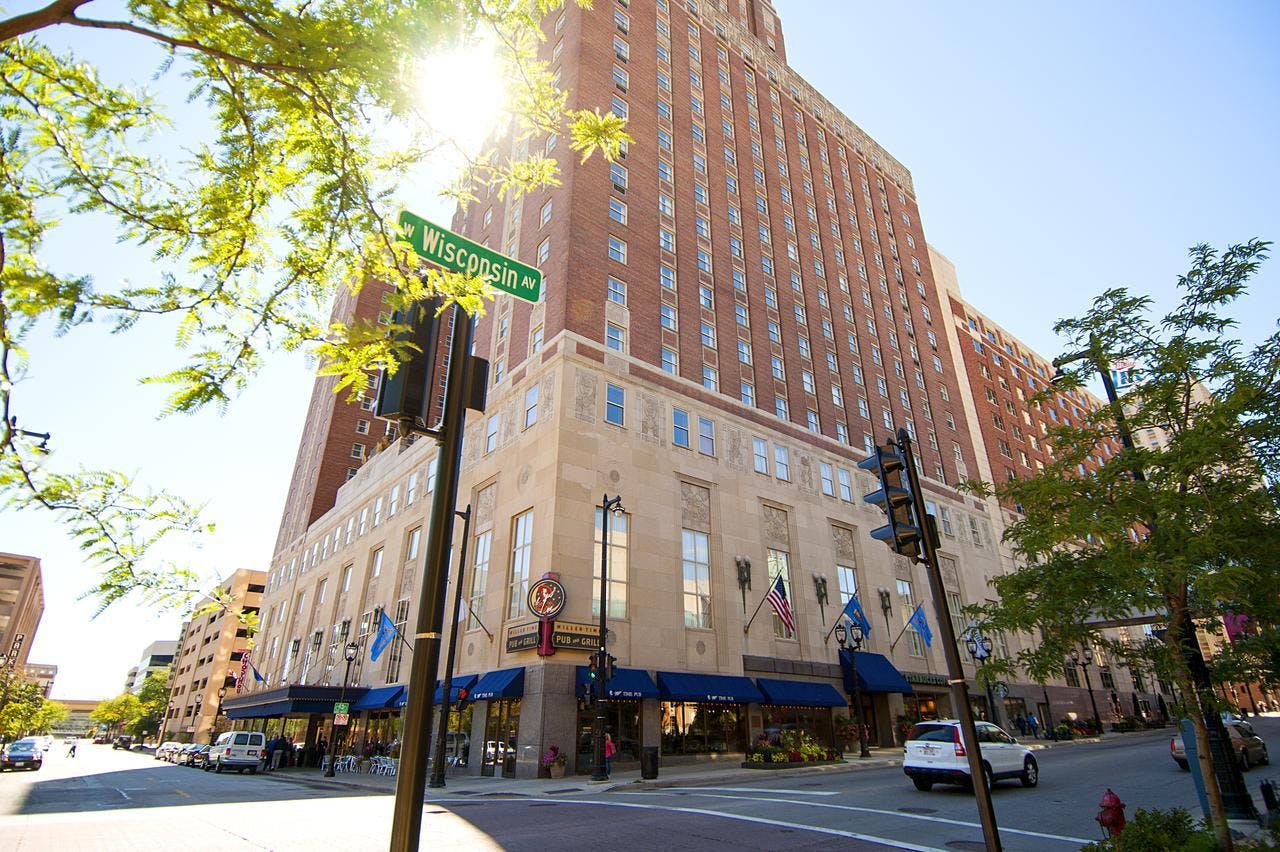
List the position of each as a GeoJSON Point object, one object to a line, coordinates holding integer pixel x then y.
{"type": "Point", "coordinates": [968, 845]}
{"type": "Point", "coordinates": [918, 810]}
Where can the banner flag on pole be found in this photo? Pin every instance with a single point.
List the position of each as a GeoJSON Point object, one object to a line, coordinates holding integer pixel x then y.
{"type": "Point", "coordinates": [854, 612]}
{"type": "Point", "coordinates": [777, 599]}
{"type": "Point", "coordinates": [921, 624]}
{"type": "Point", "coordinates": [386, 632]}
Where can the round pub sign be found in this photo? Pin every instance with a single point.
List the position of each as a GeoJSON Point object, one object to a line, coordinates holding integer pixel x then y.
{"type": "Point", "coordinates": [546, 598]}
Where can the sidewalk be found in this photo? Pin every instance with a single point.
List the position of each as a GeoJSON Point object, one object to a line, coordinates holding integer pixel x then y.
{"type": "Point", "coordinates": [687, 775]}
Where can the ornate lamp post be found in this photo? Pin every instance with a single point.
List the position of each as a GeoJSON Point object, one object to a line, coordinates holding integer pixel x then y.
{"type": "Point", "coordinates": [217, 714]}
{"type": "Point", "coordinates": [854, 636]}
{"type": "Point", "coordinates": [1084, 664]}
{"type": "Point", "coordinates": [980, 649]}
{"type": "Point", "coordinates": [349, 653]}
{"type": "Point", "coordinates": [607, 505]}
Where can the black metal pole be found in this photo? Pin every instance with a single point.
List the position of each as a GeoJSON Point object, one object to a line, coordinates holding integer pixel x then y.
{"type": "Point", "coordinates": [955, 671]}
{"type": "Point", "coordinates": [1048, 714]}
{"type": "Point", "coordinates": [406, 821]}
{"type": "Point", "coordinates": [442, 728]}
{"type": "Point", "coordinates": [1089, 683]}
{"type": "Point", "coordinates": [857, 700]}
{"type": "Point", "coordinates": [991, 698]}
{"type": "Point", "coordinates": [331, 771]}
{"type": "Point", "coordinates": [599, 772]}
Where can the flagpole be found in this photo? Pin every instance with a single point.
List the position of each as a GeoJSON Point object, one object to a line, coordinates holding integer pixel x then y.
{"type": "Point", "coordinates": [746, 627]}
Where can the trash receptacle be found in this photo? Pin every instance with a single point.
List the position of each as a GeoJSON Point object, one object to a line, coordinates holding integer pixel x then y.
{"type": "Point", "coordinates": [649, 762]}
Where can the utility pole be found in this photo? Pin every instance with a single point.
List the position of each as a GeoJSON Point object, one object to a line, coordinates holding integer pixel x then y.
{"type": "Point", "coordinates": [442, 729]}
{"type": "Point", "coordinates": [608, 506]}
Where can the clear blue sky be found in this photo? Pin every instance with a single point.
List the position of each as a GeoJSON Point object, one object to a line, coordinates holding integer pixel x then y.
{"type": "Point", "coordinates": [1056, 150]}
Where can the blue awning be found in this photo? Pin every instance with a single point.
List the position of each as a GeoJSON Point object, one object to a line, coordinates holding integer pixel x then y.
{"type": "Point", "coordinates": [625, 683]}
{"type": "Point", "coordinates": [714, 689]}
{"type": "Point", "coordinates": [875, 673]}
{"type": "Point", "coordinates": [380, 698]}
{"type": "Point", "coordinates": [462, 685]}
{"type": "Point", "coordinates": [504, 683]}
{"type": "Point", "coordinates": [800, 693]}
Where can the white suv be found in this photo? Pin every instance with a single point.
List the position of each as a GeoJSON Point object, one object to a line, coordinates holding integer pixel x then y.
{"type": "Point", "coordinates": [935, 754]}
{"type": "Point", "coordinates": [239, 750]}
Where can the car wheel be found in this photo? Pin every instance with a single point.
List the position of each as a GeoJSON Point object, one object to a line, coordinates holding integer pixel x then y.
{"type": "Point", "coordinates": [987, 779]}
{"type": "Point", "coordinates": [922, 784]}
{"type": "Point", "coordinates": [1030, 773]}
{"type": "Point", "coordinates": [1265, 760]}
{"type": "Point", "coordinates": [1183, 765]}
{"type": "Point", "coordinates": [218, 769]}
{"type": "Point", "coordinates": [253, 770]}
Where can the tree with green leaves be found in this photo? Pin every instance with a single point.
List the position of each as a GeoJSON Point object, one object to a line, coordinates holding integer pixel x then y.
{"type": "Point", "coordinates": [119, 713]}
{"type": "Point", "coordinates": [1180, 532]}
{"type": "Point", "coordinates": [153, 698]}
{"type": "Point", "coordinates": [285, 198]}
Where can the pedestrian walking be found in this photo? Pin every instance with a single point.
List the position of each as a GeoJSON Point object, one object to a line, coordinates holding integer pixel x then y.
{"type": "Point", "coordinates": [1021, 724]}
{"type": "Point", "coordinates": [609, 751]}
{"type": "Point", "coordinates": [71, 751]}
{"type": "Point", "coordinates": [268, 753]}
{"type": "Point", "coordinates": [1034, 724]}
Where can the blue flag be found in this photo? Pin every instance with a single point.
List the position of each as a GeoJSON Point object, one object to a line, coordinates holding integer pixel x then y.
{"type": "Point", "coordinates": [921, 624]}
{"type": "Point", "coordinates": [854, 612]}
{"type": "Point", "coordinates": [386, 630]}
{"type": "Point", "coordinates": [257, 675]}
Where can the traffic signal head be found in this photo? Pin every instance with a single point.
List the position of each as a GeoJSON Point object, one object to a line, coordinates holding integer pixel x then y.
{"type": "Point", "coordinates": [902, 532]}
{"type": "Point", "coordinates": [593, 667]}
{"type": "Point", "coordinates": [405, 397]}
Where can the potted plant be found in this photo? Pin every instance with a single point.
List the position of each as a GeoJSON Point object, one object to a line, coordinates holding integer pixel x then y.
{"type": "Point", "coordinates": [554, 762]}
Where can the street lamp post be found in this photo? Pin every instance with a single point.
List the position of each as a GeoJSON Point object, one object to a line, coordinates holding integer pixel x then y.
{"type": "Point", "coordinates": [1084, 664]}
{"type": "Point", "coordinates": [349, 654]}
{"type": "Point", "coordinates": [607, 505]}
{"type": "Point", "coordinates": [217, 715]}
{"type": "Point", "coordinates": [980, 649]}
{"type": "Point", "coordinates": [854, 635]}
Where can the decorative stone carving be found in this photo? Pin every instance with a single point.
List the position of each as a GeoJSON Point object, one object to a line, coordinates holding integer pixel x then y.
{"type": "Point", "coordinates": [586, 388]}
{"type": "Point", "coordinates": [806, 475]}
{"type": "Point", "coordinates": [735, 449]}
{"type": "Point", "coordinates": [843, 540]}
{"type": "Point", "coordinates": [776, 530]}
{"type": "Point", "coordinates": [650, 418]}
{"type": "Point", "coordinates": [546, 395]}
{"type": "Point", "coordinates": [695, 506]}
{"type": "Point", "coordinates": [485, 502]}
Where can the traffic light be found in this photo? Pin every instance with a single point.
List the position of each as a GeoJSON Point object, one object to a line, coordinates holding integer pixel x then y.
{"type": "Point", "coordinates": [902, 532]}
{"type": "Point", "coordinates": [593, 667]}
{"type": "Point", "coordinates": [406, 396]}
{"type": "Point", "coordinates": [610, 662]}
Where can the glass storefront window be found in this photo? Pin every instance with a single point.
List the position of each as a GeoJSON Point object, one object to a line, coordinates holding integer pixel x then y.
{"type": "Point", "coordinates": [703, 728]}
{"type": "Point", "coordinates": [622, 721]}
{"type": "Point", "coordinates": [814, 721]}
{"type": "Point", "coordinates": [501, 729]}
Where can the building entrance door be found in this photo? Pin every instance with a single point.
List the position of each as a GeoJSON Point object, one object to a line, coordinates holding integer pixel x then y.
{"type": "Point", "coordinates": [501, 729]}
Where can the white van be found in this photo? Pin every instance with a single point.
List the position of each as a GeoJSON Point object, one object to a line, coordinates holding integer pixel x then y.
{"type": "Point", "coordinates": [239, 750]}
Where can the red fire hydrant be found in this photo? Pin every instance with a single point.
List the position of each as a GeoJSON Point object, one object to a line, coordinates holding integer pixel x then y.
{"type": "Point", "coordinates": [1111, 813]}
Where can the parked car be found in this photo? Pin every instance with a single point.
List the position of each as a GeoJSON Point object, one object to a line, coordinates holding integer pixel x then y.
{"type": "Point", "coordinates": [239, 750]}
{"type": "Point", "coordinates": [1249, 748]}
{"type": "Point", "coordinates": [22, 754]}
{"type": "Point", "coordinates": [935, 754]}
{"type": "Point", "coordinates": [162, 750]}
{"type": "Point", "coordinates": [183, 756]}
{"type": "Point", "coordinates": [123, 741]}
{"type": "Point", "coordinates": [198, 756]}
{"type": "Point", "coordinates": [101, 739]}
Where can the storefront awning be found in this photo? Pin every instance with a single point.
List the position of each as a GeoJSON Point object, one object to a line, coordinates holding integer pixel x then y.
{"type": "Point", "coordinates": [494, 686]}
{"type": "Point", "coordinates": [462, 685]}
{"type": "Point", "coordinates": [380, 698]}
{"type": "Point", "coordinates": [288, 700]}
{"type": "Point", "coordinates": [875, 673]}
{"type": "Point", "coordinates": [800, 693]}
{"type": "Point", "coordinates": [714, 689]}
{"type": "Point", "coordinates": [625, 683]}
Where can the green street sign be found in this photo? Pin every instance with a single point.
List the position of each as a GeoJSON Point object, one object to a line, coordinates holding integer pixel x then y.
{"type": "Point", "coordinates": [459, 254]}
{"type": "Point", "coordinates": [341, 707]}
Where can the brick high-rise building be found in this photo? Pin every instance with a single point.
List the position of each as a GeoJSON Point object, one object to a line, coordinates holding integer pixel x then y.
{"type": "Point", "coordinates": [734, 312]}
{"type": "Point", "coordinates": [21, 606]}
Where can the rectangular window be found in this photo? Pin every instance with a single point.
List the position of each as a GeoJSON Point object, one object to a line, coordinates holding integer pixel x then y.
{"type": "Point", "coordinates": [614, 404]}
{"type": "Point", "coordinates": [915, 645]}
{"type": "Point", "coordinates": [617, 250]}
{"type": "Point", "coordinates": [619, 540]}
{"type": "Point", "coordinates": [848, 581]}
{"type": "Point", "coordinates": [706, 437]}
{"type": "Point", "coordinates": [521, 555]}
{"type": "Point", "coordinates": [490, 436]}
{"type": "Point", "coordinates": [377, 563]}
{"type": "Point", "coordinates": [710, 378]}
{"type": "Point", "coordinates": [617, 291]}
{"type": "Point", "coordinates": [680, 427]}
{"type": "Point", "coordinates": [780, 566]}
{"type": "Point", "coordinates": [479, 577]}
{"type": "Point", "coordinates": [760, 452]}
{"type": "Point", "coordinates": [618, 211]}
{"type": "Point", "coordinates": [415, 538]}
{"type": "Point", "coordinates": [846, 485]}
{"type": "Point", "coordinates": [696, 566]}
{"type": "Point", "coordinates": [828, 482]}
{"type": "Point", "coordinates": [615, 337]}
{"type": "Point", "coordinates": [782, 462]}
{"type": "Point", "coordinates": [397, 648]}
{"type": "Point", "coordinates": [670, 361]}
{"type": "Point", "coordinates": [531, 406]}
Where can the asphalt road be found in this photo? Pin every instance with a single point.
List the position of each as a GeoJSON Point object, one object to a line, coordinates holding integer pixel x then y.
{"type": "Point", "coordinates": [105, 799]}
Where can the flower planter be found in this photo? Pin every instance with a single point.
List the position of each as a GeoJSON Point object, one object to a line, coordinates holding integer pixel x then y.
{"type": "Point", "coordinates": [556, 770]}
{"type": "Point", "coordinates": [791, 764]}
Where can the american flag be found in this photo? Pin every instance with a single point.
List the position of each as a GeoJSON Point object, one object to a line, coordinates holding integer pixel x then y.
{"type": "Point", "coordinates": [777, 599]}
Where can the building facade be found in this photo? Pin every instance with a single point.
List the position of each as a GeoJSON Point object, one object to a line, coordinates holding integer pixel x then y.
{"type": "Point", "coordinates": [156, 657]}
{"type": "Point", "coordinates": [211, 655]}
{"type": "Point", "coordinates": [43, 674]}
{"type": "Point", "coordinates": [734, 313]}
{"type": "Point", "coordinates": [21, 606]}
